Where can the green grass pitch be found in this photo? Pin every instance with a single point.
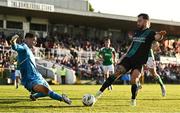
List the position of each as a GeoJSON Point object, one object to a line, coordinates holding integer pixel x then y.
{"type": "Point", "coordinates": [149, 99]}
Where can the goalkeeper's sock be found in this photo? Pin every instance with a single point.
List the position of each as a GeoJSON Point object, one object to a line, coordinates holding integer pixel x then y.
{"type": "Point", "coordinates": [108, 82]}
{"type": "Point", "coordinates": [54, 95]}
{"type": "Point", "coordinates": [134, 91]}
{"type": "Point", "coordinates": [159, 80]}
{"type": "Point", "coordinates": [38, 95]}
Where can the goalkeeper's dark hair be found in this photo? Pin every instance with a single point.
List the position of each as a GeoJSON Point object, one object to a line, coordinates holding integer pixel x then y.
{"type": "Point", "coordinates": [29, 35]}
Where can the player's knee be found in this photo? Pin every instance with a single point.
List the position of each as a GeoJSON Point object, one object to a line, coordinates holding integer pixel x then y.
{"type": "Point", "coordinates": [41, 89]}
{"type": "Point", "coordinates": [134, 80]}
{"type": "Point", "coordinates": [135, 75]}
{"type": "Point", "coordinates": [153, 72]}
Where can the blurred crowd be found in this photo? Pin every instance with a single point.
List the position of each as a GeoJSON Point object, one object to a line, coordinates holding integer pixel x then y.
{"type": "Point", "coordinates": [170, 48]}
{"type": "Point", "coordinates": [170, 73]}
{"type": "Point", "coordinates": [89, 69]}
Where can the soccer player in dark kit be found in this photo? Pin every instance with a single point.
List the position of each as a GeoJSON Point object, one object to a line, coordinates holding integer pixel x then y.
{"type": "Point", "coordinates": [136, 56]}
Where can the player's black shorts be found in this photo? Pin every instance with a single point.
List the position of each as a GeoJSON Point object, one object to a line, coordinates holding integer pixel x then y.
{"type": "Point", "coordinates": [131, 64]}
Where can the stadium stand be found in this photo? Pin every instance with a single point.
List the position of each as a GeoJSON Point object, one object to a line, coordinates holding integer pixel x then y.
{"type": "Point", "coordinates": [80, 56]}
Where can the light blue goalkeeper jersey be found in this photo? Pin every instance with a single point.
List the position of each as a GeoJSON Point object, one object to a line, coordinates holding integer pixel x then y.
{"type": "Point", "coordinates": [27, 63]}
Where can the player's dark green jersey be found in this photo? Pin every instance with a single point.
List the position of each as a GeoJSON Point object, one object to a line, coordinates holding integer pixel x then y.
{"type": "Point", "coordinates": [107, 55]}
{"type": "Point", "coordinates": [141, 45]}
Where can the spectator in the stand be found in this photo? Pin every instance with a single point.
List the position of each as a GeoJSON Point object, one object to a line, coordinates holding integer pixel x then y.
{"type": "Point", "coordinates": [99, 73]}
{"type": "Point", "coordinates": [58, 61]}
{"type": "Point", "coordinates": [63, 73]}
{"type": "Point", "coordinates": [87, 46]}
{"type": "Point", "coordinates": [54, 70]}
{"type": "Point", "coordinates": [73, 53]}
{"type": "Point", "coordinates": [13, 77]}
{"type": "Point", "coordinates": [1, 60]}
{"type": "Point", "coordinates": [18, 76]}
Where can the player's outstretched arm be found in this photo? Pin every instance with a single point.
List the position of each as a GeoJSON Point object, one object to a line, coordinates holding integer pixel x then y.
{"type": "Point", "coordinates": [159, 35]}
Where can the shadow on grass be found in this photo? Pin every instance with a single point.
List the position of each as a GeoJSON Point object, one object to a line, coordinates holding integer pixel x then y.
{"type": "Point", "coordinates": [154, 99]}
{"type": "Point", "coordinates": [119, 99]}
{"type": "Point", "coordinates": [50, 106]}
{"type": "Point", "coordinates": [40, 107]}
{"type": "Point", "coordinates": [12, 101]}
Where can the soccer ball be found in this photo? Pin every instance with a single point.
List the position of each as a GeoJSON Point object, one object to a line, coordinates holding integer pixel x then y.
{"type": "Point", "coordinates": [88, 100]}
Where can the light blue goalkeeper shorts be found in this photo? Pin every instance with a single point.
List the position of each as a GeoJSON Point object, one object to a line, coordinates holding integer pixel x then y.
{"type": "Point", "coordinates": [41, 81]}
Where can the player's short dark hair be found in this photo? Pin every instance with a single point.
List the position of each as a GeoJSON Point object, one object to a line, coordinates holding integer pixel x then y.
{"type": "Point", "coordinates": [144, 16]}
{"type": "Point", "coordinates": [106, 39]}
{"type": "Point", "coordinates": [29, 35]}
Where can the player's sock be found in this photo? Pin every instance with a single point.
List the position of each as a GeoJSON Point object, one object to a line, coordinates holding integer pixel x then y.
{"type": "Point", "coordinates": [159, 80]}
{"type": "Point", "coordinates": [108, 82]}
{"type": "Point", "coordinates": [139, 85]}
{"type": "Point", "coordinates": [38, 95]}
{"type": "Point", "coordinates": [98, 94]}
{"type": "Point", "coordinates": [133, 102]}
{"type": "Point", "coordinates": [134, 90]}
{"type": "Point", "coordinates": [17, 85]}
{"type": "Point", "coordinates": [163, 89]}
{"type": "Point", "coordinates": [104, 80]}
{"type": "Point", "coordinates": [54, 95]}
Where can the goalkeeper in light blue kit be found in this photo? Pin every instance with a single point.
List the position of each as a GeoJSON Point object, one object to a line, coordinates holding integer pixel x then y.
{"type": "Point", "coordinates": [32, 80]}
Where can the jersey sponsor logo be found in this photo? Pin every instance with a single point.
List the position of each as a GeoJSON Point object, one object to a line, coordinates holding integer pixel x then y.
{"type": "Point", "coordinates": [139, 39]}
{"type": "Point", "coordinates": [107, 54]}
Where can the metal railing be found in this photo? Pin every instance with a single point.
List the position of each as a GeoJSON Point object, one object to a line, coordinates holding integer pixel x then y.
{"type": "Point", "coordinates": [82, 55]}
